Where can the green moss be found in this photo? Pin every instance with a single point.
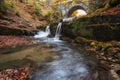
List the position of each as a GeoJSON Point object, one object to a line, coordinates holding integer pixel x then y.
{"type": "Point", "coordinates": [98, 10]}
{"type": "Point", "coordinates": [6, 7]}
{"type": "Point", "coordinates": [75, 25]}
{"type": "Point", "coordinates": [38, 9]}
{"type": "Point", "coordinates": [34, 16]}
{"type": "Point", "coordinates": [105, 46]}
{"type": "Point", "coordinates": [87, 32]}
{"type": "Point", "coordinates": [18, 13]}
{"type": "Point", "coordinates": [53, 17]}
{"type": "Point", "coordinates": [115, 30]}
{"type": "Point", "coordinates": [107, 5]}
{"type": "Point", "coordinates": [81, 29]}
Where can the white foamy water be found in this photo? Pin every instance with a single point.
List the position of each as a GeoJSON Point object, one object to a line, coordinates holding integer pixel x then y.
{"type": "Point", "coordinates": [43, 34]}
{"type": "Point", "coordinates": [58, 30]}
{"type": "Point", "coordinates": [68, 19]}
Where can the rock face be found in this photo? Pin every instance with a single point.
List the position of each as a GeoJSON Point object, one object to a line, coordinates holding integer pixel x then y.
{"type": "Point", "coordinates": [14, 31]}
{"type": "Point", "coordinates": [101, 28]}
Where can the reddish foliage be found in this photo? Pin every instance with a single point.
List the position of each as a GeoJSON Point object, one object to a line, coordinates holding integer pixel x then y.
{"type": "Point", "coordinates": [108, 11]}
{"type": "Point", "coordinates": [15, 74]}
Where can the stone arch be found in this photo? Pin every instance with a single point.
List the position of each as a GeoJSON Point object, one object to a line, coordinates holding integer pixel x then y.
{"type": "Point", "coordinates": [78, 5]}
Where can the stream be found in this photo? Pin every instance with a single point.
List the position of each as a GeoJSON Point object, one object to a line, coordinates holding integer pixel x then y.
{"type": "Point", "coordinates": [64, 61]}
{"type": "Point", "coordinates": [71, 65]}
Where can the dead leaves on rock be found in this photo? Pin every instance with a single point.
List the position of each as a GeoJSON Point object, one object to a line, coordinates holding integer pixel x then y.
{"type": "Point", "coordinates": [15, 74]}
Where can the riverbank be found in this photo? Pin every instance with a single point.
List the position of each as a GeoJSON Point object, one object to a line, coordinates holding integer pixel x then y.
{"type": "Point", "coordinates": [15, 59]}
{"type": "Point", "coordinates": [107, 54]}
{"type": "Point", "coordinates": [12, 41]}
{"type": "Point", "coordinates": [99, 33]}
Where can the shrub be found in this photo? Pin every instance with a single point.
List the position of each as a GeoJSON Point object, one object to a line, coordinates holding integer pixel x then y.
{"type": "Point", "coordinates": [38, 10]}
{"type": "Point", "coordinates": [6, 7]}
{"type": "Point", "coordinates": [18, 13]}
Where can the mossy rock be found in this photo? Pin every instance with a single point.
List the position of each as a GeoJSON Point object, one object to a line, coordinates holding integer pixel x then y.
{"type": "Point", "coordinates": [112, 50]}
{"type": "Point", "coordinates": [11, 31]}
{"type": "Point", "coordinates": [115, 32]}
{"type": "Point", "coordinates": [114, 2]}
{"type": "Point", "coordinates": [5, 22]}
{"type": "Point", "coordinates": [105, 46]}
{"type": "Point", "coordinates": [98, 48]}
{"type": "Point", "coordinates": [82, 41]}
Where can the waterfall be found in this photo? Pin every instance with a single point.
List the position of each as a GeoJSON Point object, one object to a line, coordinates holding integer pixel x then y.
{"type": "Point", "coordinates": [43, 34]}
{"type": "Point", "coordinates": [68, 19]}
{"type": "Point", "coordinates": [47, 30]}
{"type": "Point", "coordinates": [58, 30]}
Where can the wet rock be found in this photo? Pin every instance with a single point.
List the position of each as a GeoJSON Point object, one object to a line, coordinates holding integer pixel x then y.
{"type": "Point", "coordinates": [5, 22]}
{"type": "Point", "coordinates": [118, 72]}
{"type": "Point", "coordinates": [103, 74]}
{"type": "Point", "coordinates": [33, 32]}
{"type": "Point", "coordinates": [67, 39]}
{"type": "Point", "coordinates": [82, 41]}
{"type": "Point", "coordinates": [21, 26]}
{"type": "Point", "coordinates": [13, 31]}
{"type": "Point", "coordinates": [115, 71]}
{"type": "Point", "coordinates": [112, 50]}
{"type": "Point", "coordinates": [114, 2]}
{"type": "Point", "coordinates": [116, 67]}
{"type": "Point", "coordinates": [24, 24]}
{"type": "Point", "coordinates": [114, 75]}
{"type": "Point", "coordinates": [117, 55]}
{"type": "Point", "coordinates": [56, 57]}
{"type": "Point", "coordinates": [98, 48]}
{"type": "Point", "coordinates": [93, 43]}
{"type": "Point", "coordinates": [110, 58]}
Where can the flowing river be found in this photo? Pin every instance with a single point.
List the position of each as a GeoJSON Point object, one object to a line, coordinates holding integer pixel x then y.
{"type": "Point", "coordinates": [68, 61]}
{"type": "Point", "coordinates": [71, 64]}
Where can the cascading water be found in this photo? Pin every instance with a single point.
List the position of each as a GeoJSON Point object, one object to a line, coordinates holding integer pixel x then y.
{"type": "Point", "coordinates": [68, 19]}
{"type": "Point", "coordinates": [69, 64]}
{"type": "Point", "coordinates": [43, 34]}
{"type": "Point", "coordinates": [58, 30]}
{"type": "Point", "coordinates": [47, 30]}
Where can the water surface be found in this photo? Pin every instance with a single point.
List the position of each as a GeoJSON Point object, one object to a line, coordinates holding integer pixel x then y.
{"type": "Point", "coordinates": [71, 64]}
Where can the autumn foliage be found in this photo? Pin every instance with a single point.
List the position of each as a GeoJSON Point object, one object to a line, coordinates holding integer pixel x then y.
{"type": "Point", "coordinates": [15, 74]}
